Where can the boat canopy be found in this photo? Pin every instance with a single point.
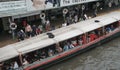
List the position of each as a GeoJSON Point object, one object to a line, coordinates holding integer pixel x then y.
{"type": "Point", "coordinates": [60, 34]}
{"type": "Point", "coordinates": [87, 25]}
{"type": "Point", "coordinates": [108, 18]}
{"type": "Point", "coordinates": [36, 46]}
{"type": "Point", "coordinates": [116, 15]}
{"type": "Point", "coordinates": [33, 44]}
{"type": "Point", "coordinates": [67, 35]}
{"type": "Point", "coordinates": [29, 41]}
{"type": "Point", "coordinates": [7, 52]}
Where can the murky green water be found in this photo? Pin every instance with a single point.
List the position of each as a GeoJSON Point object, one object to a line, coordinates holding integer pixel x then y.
{"type": "Point", "coordinates": [104, 57]}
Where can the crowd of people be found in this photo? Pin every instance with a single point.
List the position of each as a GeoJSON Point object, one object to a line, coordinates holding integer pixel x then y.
{"type": "Point", "coordinates": [66, 45]}
{"type": "Point", "coordinates": [72, 16]}
{"type": "Point", "coordinates": [55, 49]}
{"type": "Point", "coordinates": [29, 31]}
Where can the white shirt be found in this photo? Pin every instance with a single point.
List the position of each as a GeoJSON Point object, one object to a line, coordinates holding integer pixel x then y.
{"type": "Point", "coordinates": [64, 24]}
{"type": "Point", "coordinates": [15, 65]}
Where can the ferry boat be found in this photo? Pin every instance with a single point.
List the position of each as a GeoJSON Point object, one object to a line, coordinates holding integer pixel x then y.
{"type": "Point", "coordinates": [55, 46]}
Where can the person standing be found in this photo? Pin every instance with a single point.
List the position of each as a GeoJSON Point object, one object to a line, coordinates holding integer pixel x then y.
{"type": "Point", "coordinates": [76, 18]}
{"type": "Point", "coordinates": [21, 35]}
{"type": "Point", "coordinates": [34, 30]}
{"type": "Point", "coordinates": [47, 25]}
{"type": "Point", "coordinates": [41, 28]}
{"type": "Point", "coordinates": [28, 30]}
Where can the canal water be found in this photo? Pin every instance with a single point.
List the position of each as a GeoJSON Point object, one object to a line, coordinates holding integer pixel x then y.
{"type": "Point", "coordinates": [104, 57]}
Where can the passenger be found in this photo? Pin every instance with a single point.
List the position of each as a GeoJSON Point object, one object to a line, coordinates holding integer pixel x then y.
{"type": "Point", "coordinates": [84, 39]}
{"type": "Point", "coordinates": [50, 52]}
{"type": "Point", "coordinates": [70, 45]}
{"type": "Point", "coordinates": [15, 66]}
{"type": "Point", "coordinates": [99, 32]}
{"type": "Point", "coordinates": [80, 41]}
{"type": "Point", "coordinates": [65, 48]}
{"type": "Point", "coordinates": [108, 29]}
{"type": "Point", "coordinates": [93, 36]}
{"type": "Point", "coordinates": [58, 48]}
{"type": "Point", "coordinates": [36, 57]}
{"type": "Point", "coordinates": [25, 62]}
{"type": "Point", "coordinates": [10, 67]}
{"type": "Point", "coordinates": [112, 27]}
{"type": "Point", "coordinates": [88, 39]}
{"type": "Point", "coordinates": [74, 42]}
{"type": "Point", "coordinates": [43, 54]}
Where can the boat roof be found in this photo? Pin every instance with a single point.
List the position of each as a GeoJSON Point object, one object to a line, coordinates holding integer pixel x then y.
{"type": "Point", "coordinates": [7, 52]}
{"type": "Point", "coordinates": [33, 44]}
{"type": "Point", "coordinates": [87, 25]}
{"type": "Point", "coordinates": [66, 33]}
{"type": "Point", "coordinates": [61, 34]}
{"type": "Point", "coordinates": [109, 18]}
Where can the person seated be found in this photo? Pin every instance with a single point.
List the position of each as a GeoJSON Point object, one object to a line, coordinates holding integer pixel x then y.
{"type": "Point", "coordinates": [80, 41]}
{"type": "Point", "coordinates": [93, 36]}
{"type": "Point", "coordinates": [15, 66]}
{"type": "Point", "coordinates": [58, 48]}
{"type": "Point", "coordinates": [65, 48]}
{"type": "Point", "coordinates": [112, 27]}
{"type": "Point", "coordinates": [36, 57]}
{"type": "Point", "coordinates": [108, 29]}
{"type": "Point", "coordinates": [84, 39]}
{"type": "Point", "coordinates": [50, 52]}
{"type": "Point", "coordinates": [88, 39]}
{"type": "Point", "coordinates": [43, 54]}
{"type": "Point", "coordinates": [70, 45]}
{"type": "Point", "coordinates": [25, 62]}
{"type": "Point", "coordinates": [74, 42]}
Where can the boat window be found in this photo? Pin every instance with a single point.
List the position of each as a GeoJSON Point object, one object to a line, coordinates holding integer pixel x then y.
{"type": "Point", "coordinates": [38, 55]}
{"type": "Point", "coordinates": [11, 64]}
{"type": "Point", "coordinates": [111, 27]}
{"type": "Point", "coordinates": [92, 35]}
